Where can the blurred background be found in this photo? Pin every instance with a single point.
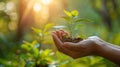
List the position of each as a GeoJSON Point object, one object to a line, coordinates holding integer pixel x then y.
{"type": "Point", "coordinates": [26, 26]}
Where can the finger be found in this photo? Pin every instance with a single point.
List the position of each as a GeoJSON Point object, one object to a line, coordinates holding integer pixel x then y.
{"type": "Point", "coordinates": [54, 32]}
{"type": "Point", "coordinates": [62, 34]}
{"type": "Point", "coordinates": [65, 33]}
{"type": "Point", "coordinates": [58, 33]}
{"type": "Point", "coordinates": [56, 40]}
{"type": "Point", "coordinates": [59, 44]}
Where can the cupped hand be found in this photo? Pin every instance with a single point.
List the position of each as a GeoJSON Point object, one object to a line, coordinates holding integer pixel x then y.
{"type": "Point", "coordinates": [75, 50]}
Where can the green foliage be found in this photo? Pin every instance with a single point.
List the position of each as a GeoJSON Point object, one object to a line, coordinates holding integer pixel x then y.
{"type": "Point", "coordinates": [41, 33]}
{"type": "Point", "coordinates": [3, 0]}
{"type": "Point", "coordinates": [89, 61]}
{"type": "Point", "coordinates": [73, 22]}
{"type": "Point", "coordinates": [4, 16]}
{"type": "Point", "coordinates": [32, 56]}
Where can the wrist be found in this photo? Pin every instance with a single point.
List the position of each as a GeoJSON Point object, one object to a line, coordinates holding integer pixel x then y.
{"type": "Point", "coordinates": [100, 46]}
{"type": "Point", "coordinates": [97, 45]}
{"type": "Point", "coordinates": [103, 48]}
{"type": "Point", "coordinates": [107, 50]}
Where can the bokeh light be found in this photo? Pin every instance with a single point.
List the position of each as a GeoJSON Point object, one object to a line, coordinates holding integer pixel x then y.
{"type": "Point", "coordinates": [10, 6]}
{"type": "Point", "coordinates": [37, 7]}
{"type": "Point", "coordinates": [46, 2]}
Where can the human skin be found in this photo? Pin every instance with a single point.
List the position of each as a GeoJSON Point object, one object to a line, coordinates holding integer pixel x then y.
{"type": "Point", "coordinates": [91, 46]}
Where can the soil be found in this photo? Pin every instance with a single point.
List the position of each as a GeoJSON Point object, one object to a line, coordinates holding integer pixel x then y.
{"type": "Point", "coordinates": [74, 40]}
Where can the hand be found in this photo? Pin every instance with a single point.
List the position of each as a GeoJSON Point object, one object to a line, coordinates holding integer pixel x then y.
{"type": "Point", "coordinates": [75, 50]}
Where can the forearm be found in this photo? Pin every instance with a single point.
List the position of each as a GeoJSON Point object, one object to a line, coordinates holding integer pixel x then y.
{"type": "Point", "coordinates": [108, 51]}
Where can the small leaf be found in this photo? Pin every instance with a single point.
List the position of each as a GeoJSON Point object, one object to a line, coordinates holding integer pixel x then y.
{"type": "Point", "coordinates": [67, 13]}
{"type": "Point", "coordinates": [35, 52]}
{"type": "Point", "coordinates": [47, 52]}
{"type": "Point", "coordinates": [82, 20]}
{"type": "Point", "coordinates": [36, 30]}
{"type": "Point", "coordinates": [77, 26]}
{"type": "Point", "coordinates": [74, 13]}
{"type": "Point", "coordinates": [66, 18]}
{"type": "Point", "coordinates": [33, 43]}
{"type": "Point", "coordinates": [82, 36]}
{"type": "Point", "coordinates": [48, 26]}
{"type": "Point", "coordinates": [24, 46]}
{"type": "Point", "coordinates": [46, 33]}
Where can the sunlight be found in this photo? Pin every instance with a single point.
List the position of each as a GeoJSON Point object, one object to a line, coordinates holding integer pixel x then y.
{"type": "Point", "coordinates": [46, 2]}
{"type": "Point", "coordinates": [37, 7]}
{"type": "Point", "coordinates": [45, 10]}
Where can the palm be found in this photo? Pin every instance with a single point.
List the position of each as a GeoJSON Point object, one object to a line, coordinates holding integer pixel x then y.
{"type": "Point", "coordinates": [75, 50]}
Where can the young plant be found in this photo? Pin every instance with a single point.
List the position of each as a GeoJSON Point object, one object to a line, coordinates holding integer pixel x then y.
{"type": "Point", "coordinates": [73, 25]}
{"type": "Point", "coordinates": [41, 33]}
{"type": "Point", "coordinates": [33, 57]}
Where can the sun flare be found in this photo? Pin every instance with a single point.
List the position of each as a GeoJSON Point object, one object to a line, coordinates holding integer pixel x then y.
{"type": "Point", "coordinates": [46, 2]}
{"type": "Point", "coordinates": [37, 7]}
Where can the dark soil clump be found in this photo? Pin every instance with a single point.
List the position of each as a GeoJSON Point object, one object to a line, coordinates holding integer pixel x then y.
{"type": "Point", "coordinates": [74, 40]}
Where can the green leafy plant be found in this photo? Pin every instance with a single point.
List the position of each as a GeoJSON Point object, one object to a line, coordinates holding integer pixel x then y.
{"type": "Point", "coordinates": [41, 33]}
{"type": "Point", "coordinates": [73, 25]}
{"type": "Point", "coordinates": [33, 57]}
{"type": "Point", "coordinates": [32, 54]}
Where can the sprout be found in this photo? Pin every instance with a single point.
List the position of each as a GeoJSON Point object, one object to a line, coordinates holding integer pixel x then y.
{"type": "Point", "coordinates": [73, 22]}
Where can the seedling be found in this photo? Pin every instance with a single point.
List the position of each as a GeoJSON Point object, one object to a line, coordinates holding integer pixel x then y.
{"type": "Point", "coordinates": [73, 25]}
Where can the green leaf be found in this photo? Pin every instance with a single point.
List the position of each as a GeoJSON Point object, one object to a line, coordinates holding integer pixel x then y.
{"type": "Point", "coordinates": [29, 64]}
{"type": "Point", "coordinates": [33, 43]}
{"type": "Point", "coordinates": [82, 20]}
{"type": "Point", "coordinates": [67, 13]}
{"type": "Point", "coordinates": [48, 27]}
{"type": "Point", "coordinates": [82, 36]}
{"type": "Point", "coordinates": [35, 52]}
{"type": "Point", "coordinates": [24, 46]}
{"type": "Point", "coordinates": [77, 26]}
{"type": "Point", "coordinates": [46, 33]}
{"type": "Point", "coordinates": [47, 52]}
{"type": "Point", "coordinates": [66, 18]}
{"type": "Point", "coordinates": [36, 30]}
{"type": "Point", "coordinates": [74, 13]}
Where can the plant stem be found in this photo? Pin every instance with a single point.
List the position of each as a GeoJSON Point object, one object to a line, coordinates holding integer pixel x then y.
{"type": "Point", "coordinates": [70, 27]}
{"type": "Point", "coordinates": [41, 40]}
